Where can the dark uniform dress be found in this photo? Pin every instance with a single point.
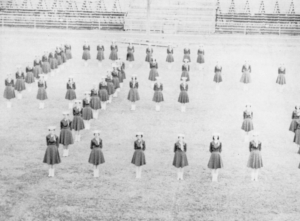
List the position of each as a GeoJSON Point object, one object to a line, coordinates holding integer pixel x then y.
{"type": "Point", "coordinates": [281, 77]}
{"type": "Point", "coordinates": [9, 91]}
{"type": "Point", "coordinates": [63, 55]}
{"type": "Point", "coordinates": [86, 53]}
{"type": "Point", "coordinates": [133, 94]}
{"type": "Point", "coordinates": [185, 71]}
{"type": "Point", "coordinates": [52, 60]}
{"type": "Point", "coordinates": [247, 123]}
{"type": "Point", "coordinates": [56, 59]}
{"type": "Point", "coordinates": [20, 82]}
{"type": "Point", "coordinates": [115, 80]}
{"type": "Point", "coordinates": [297, 132]}
{"type": "Point", "coordinates": [100, 54]}
{"type": "Point", "coordinates": [52, 154]}
{"type": "Point", "coordinates": [148, 54]}
{"type": "Point", "coordinates": [186, 55]}
{"type": "Point", "coordinates": [200, 58]}
{"type": "Point", "coordinates": [103, 92]}
{"type": "Point", "coordinates": [71, 95]}
{"type": "Point", "coordinates": [120, 75]}
{"type": "Point", "coordinates": [66, 137]}
{"type": "Point", "coordinates": [96, 157]}
{"type": "Point", "coordinates": [139, 158]}
{"type": "Point", "coordinates": [218, 74]}
{"type": "Point", "coordinates": [215, 161]}
{"type": "Point", "coordinates": [46, 68]}
{"type": "Point", "coordinates": [255, 159]}
{"type": "Point", "coordinates": [37, 69]}
{"type": "Point", "coordinates": [246, 77]}
{"type": "Point", "coordinates": [180, 159]}
{"type": "Point", "coordinates": [158, 95]}
{"type": "Point", "coordinates": [153, 72]}
{"type": "Point", "coordinates": [130, 55]}
{"type": "Point", "coordinates": [42, 93]}
{"type": "Point", "coordinates": [114, 53]}
{"type": "Point", "coordinates": [95, 100]}
{"type": "Point", "coordinates": [77, 123]}
{"type": "Point", "coordinates": [29, 79]}
{"type": "Point", "coordinates": [110, 86]}
{"type": "Point", "coordinates": [87, 112]}
{"type": "Point", "coordinates": [123, 71]}
{"type": "Point", "coordinates": [170, 57]}
{"type": "Point", "coordinates": [68, 52]}
{"type": "Point", "coordinates": [58, 56]}
{"type": "Point", "coordinates": [183, 96]}
{"type": "Point", "coordinates": [293, 125]}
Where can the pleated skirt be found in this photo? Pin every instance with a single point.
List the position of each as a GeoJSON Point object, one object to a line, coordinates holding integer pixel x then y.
{"type": "Point", "coordinates": [96, 157]}
{"type": "Point", "coordinates": [37, 70]}
{"type": "Point", "coordinates": [133, 95]}
{"type": "Point", "coordinates": [185, 74]}
{"type": "Point", "coordinates": [255, 160]}
{"type": "Point", "coordinates": [153, 74]}
{"type": "Point", "coordinates": [77, 123]}
{"type": "Point", "coordinates": [53, 63]}
{"type": "Point", "coordinates": [100, 55]}
{"type": "Point", "coordinates": [113, 55]}
{"type": "Point", "coordinates": [293, 126]}
{"type": "Point", "coordinates": [120, 77]}
{"type": "Point", "coordinates": [46, 68]}
{"type": "Point", "coordinates": [116, 82]}
{"type": "Point", "coordinates": [68, 54]}
{"type": "Point", "coordinates": [103, 95]}
{"type": "Point", "coordinates": [138, 158]}
{"type": "Point", "coordinates": [110, 88]}
{"type": "Point", "coordinates": [95, 102]}
{"type": "Point", "coordinates": [200, 59]}
{"type": "Point", "coordinates": [158, 97]}
{"type": "Point", "coordinates": [186, 56]}
{"type": "Point", "coordinates": [59, 60]}
{"type": "Point", "coordinates": [215, 161]}
{"type": "Point", "coordinates": [170, 58]}
{"type": "Point", "coordinates": [9, 93]}
{"type": "Point", "coordinates": [180, 159]}
{"type": "Point", "coordinates": [64, 57]}
{"type": "Point", "coordinates": [183, 97]}
{"type": "Point", "coordinates": [297, 137]}
{"type": "Point", "coordinates": [42, 94]}
{"type": "Point", "coordinates": [86, 55]}
{"type": "Point", "coordinates": [87, 113]}
{"type": "Point", "coordinates": [20, 85]}
{"type": "Point", "coordinates": [281, 79]}
{"type": "Point", "coordinates": [218, 77]}
{"type": "Point", "coordinates": [246, 78]}
{"type": "Point", "coordinates": [70, 95]}
{"type": "Point", "coordinates": [66, 137]}
{"type": "Point", "coordinates": [29, 78]}
{"type": "Point", "coordinates": [130, 56]}
{"type": "Point", "coordinates": [247, 125]}
{"type": "Point", "coordinates": [52, 155]}
{"type": "Point", "coordinates": [148, 57]}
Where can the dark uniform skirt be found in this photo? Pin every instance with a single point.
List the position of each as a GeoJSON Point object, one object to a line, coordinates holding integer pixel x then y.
{"type": "Point", "coordinates": [59, 60]}
{"type": "Point", "coordinates": [20, 85]}
{"type": "Point", "coordinates": [170, 58]}
{"type": "Point", "coordinates": [215, 161]}
{"type": "Point", "coordinates": [185, 74]}
{"type": "Point", "coordinates": [153, 74]}
{"type": "Point", "coordinates": [46, 68]}
{"type": "Point", "coordinates": [68, 54]}
{"type": "Point", "coordinates": [100, 55]}
{"type": "Point", "coordinates": [255, 160]}
{"type": "Point", "coordinates": [246, 78]}
{"type": "Point", "coordinates": [247, 125]}
{"type": "Point", "coordinates": [52, 155]}
{"type": "Point", "coordinates": [158, 96]}
{"type": "Point", "coordinates": [29, 78]}
{"type": "Point", "coordinates": [148, 57]}
{"type": "Point", "coordinates": [138, 158]}
{"type": "Point", "coordinates": [130, 56]}
{"type": "Point", "coordinates": [113, 55]}
{"type": "Point", "coordinates": [180, 159]}
{"type": "Point", "coordinates": [183, 97]}
{"type": "Point", "coordinates": [37, 70]}
{"type": "Point", "coordinates": [293, 125]}
{"type": "Point", "coordinates": [87, 113]}
{"type": "Point", "coordinates": [123, 74]}
{"type": "Point", "coordinates": [110, 88]}
{"type": "Point", "coordinates": [120, 77]}
{"type": "Point", "coordinates": [66, 137]}
{"type": "Point", "coordinates": [116, 82]}
{"type": "Point", "coordinates": [218, 77]}
{"type": "Point", "coordinates": [187, 56]}
{"type": "Point", "coordinates": [9, 92]}
{"type": "Point", "coordinates": [95, 103]}
{"type": "Point", "coordinates": [297, 137]}
{"type": "Point", "coordinates": [86, 55]}
{"type": "Point", "coordinates": [281, 79]}
{"type": "Point", "coordinates": [133, 95]}
{"type": "Point", "coordinates": [77, 123]}
{"type": "Point", "coordinates": [53, 63]}
{"type": "Point", "coordinates": [70, 95]}
{"type": "Point", "coordinates": [96, 157]}
{"type": "Point", "coordinates": [200, 59]}
{"type": "Point", "coordinates": [64, 57]}
{"type": "Point", "coordinates": [104, 95]}
{"type": "Point", "coordinates": [42, 94]}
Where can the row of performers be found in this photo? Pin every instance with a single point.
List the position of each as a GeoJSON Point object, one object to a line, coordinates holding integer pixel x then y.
{"type": "Point", "coordinates": [180, 159]}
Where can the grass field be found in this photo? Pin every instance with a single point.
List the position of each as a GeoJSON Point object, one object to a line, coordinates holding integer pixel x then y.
{"type": "Point", "coordinates": [26, 193]}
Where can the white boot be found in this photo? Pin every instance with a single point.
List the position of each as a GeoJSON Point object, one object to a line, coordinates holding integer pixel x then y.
{"type": "Point", "coordinates": [116, 93]}
{"type": "Point", "coordinates": [64, 152]}
{"type": "Point", "coordinates": [70, 105]}
{"type": "Point", "coordinates": [53, 170]}
{"type": "Point", "coordinates": [67, 152]}
{"type": "Point", "coordinates": [140, 172]}
{"type": "Point", "coordinates": [99, 64]}
{"type": "Point", "coordinates": [95, 114]}
{"type": "Point", "coordinates": [256, 175]}
{"type": "Point", "coordinates": [43, 105]}
{"type": "Point", "coordinates": [40, 106]}
{"type": "Point", "coordinates": [88, 124]}
{"type": "Point", "coordinates": [157, 108]}
{"type": "Point", "coordinates": [133, 106]}
{"type": "Point", "coordinates": [95, 173]}
{"type": "Point", "coordinates": [103, 105]}
{"type": "Point", "coordinates": [252, 175]}
{"type": "Point", "coordinates": [136, 172]}
{"type": "Point", "coordinates": [183, 108]}
{"type": "Point", "coordinates": [178, 175]}
{"type": "Point", "coordinates": [85, 124]}
{"type": "Point", "coordinates": [49, 174]}
{"type": "Point", "coordinates": [79, 137]}
{"type": "Point", "coordinates": [181, 175]}
{"type": "Point", "coordinates": [85, 63]}
{"type": "Point", "coordinates": [8, 104]}
{"type": "Point", "coordinates": [20, 96]}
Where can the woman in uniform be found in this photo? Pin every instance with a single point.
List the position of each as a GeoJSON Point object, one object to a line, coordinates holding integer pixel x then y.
{"type": "Point", "coordinates": [58, 56]}
{"type": "Point", "coordinates": [113, 51]}
{"type": "Point", "coordinates": [180, 159]}
{"type": "Point", "coordinates": [183, 96]}
{"type": "Point", "coordinates": [149, 53]}
{"type": "Point", "coordinates": [63, 54]}
{"type": "Point", "coordinates": [281, 77]}
{"type": "Point", "coordinates": [100, 54]}
{"type": "Point", "coordinates": [295, 116]}
{"type": "Point", "coordinates": [20, 82]}
{"type": "Point", "coordinates": [77, 123]}
{"type": "Point", "coordinates": [87, 112]}
{"type": "Point", "coordinates": [95, 101]}
{"type": "Point", "coordinates": [218, 76]}
{"type": "Point", "coordinates": [9, 91]}
{"type": "Point", "coordinates": [29, 79]}
{"type": "Point", "coordinates": [51, 156]}
{"type": "Point", "coordinates": [297, 133]}
{"type": "Point", "coordinates": [200, 58]}
{"type": "Point", "coordinates": [122, 68]}
{"type": "Point", "coordinates": [215, 162]}
{"type": "Point", "coordinates": [130, 54]}
{"type": "Point", "coordinates": [110, 86]}
{"type": "Point", "coordinates": [133, 95]}
{"type": "Point", "coordinates": [37, 70]}
{"type": "Point", "coordinates": [139, 158]}
{"type": "Point", "coordinates": [255, 159]}
{"type": "Point", "coordinates": [247, 125]}
{"type": "Point", "coordinates": [246, 76]}
{"type": "Point", "coordinates": [186, 53]}
{"type": "Point", "coordinates": [103, 93]}
{"type": "Point", "coordinates": [170, 58]}
{"type": "Point", "coordinates": [96, 156]}
{"type": "Point", "coordinates": [115, 79]}
{"type": "Point", "coordinates": [120, 75]}
{"type": "Point", "coordinates": [71, 94]}
{"type": "Point", "coordinates": [86, 53]}
{"type": "Point", "coordinates": [66, 137]}
{"type": "Point", "coordinates": [42, 93]}
{"type": "Point", "coordinates": [186, 70]}
{"type": "Point", "coordinates": [68, 51]}
{"type": "Point", "coordinates": [46, 68]}
{"type": "Point", "coordinates": [153, 71]}
{"type": "Point", "coordinates": [53, 62]}
{"type": "Point", "coordinates": [158, 95]}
